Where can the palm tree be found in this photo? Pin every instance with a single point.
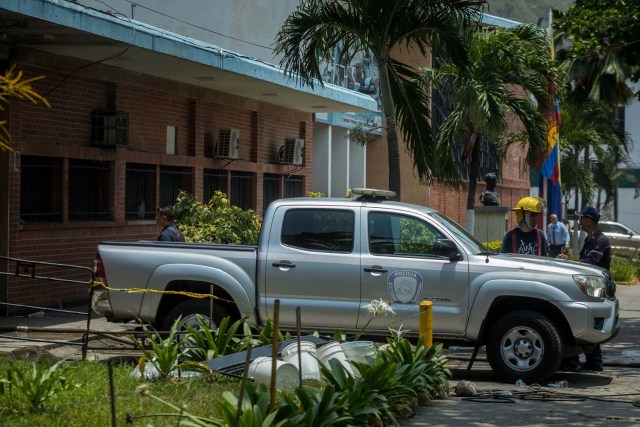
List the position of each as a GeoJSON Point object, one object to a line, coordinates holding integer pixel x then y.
{"type": "Point", "coordinates": [507, 66]}
{"type": "Point", "coordinates": [592, 151]}
{"type": "Point", "coordinates": [377, 27]}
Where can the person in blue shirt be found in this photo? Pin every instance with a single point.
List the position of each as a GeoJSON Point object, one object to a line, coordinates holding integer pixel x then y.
{"type": "Point", "coordinates": [557, 235]}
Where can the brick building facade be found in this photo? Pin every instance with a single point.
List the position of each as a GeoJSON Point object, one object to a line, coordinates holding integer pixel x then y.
{"type": "Point", "coordinates": [63, 194]}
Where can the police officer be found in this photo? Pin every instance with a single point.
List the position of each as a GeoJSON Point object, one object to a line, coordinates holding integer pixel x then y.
{"type": "Point", "coordinates": [596, 251]}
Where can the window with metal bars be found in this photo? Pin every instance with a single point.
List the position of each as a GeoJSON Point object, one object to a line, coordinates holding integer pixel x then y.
{"type": "Point", "coordinates": [270, 189]}
{"type": "Point", "coordinates": [140, 191]}
{"type": "Point", "coordinates": [90, 190]}
{"type": "Point", "coordinates": [173, 179]}
{"type": "Point", "coordinates": [242, 184]}
{"type": "Point", "coordinates": [213, 180]}
{"type": "Point", "coordinates": [41, 189]}
{"type": "Point", "coordinates": [293, 186]}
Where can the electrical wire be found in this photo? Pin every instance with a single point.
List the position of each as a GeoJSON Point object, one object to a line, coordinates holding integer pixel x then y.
{"type": "Point", "coordinates": [194, 25]}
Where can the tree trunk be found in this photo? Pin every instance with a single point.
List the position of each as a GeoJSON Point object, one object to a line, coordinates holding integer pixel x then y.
{"type": "Point", "coordinates": [393, 152]}
{"type": "Point", "coordinates": [474, 168]}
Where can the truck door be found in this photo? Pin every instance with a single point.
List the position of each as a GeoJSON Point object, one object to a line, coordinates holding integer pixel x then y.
{"type": "Point", "coordinates": [398, 266]}
{"type": "Point", "coordinates": [313, 262]}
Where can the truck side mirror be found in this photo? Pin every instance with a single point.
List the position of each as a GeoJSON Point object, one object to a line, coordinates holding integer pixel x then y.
{"type": "Point", "coordinates": [447, 249]}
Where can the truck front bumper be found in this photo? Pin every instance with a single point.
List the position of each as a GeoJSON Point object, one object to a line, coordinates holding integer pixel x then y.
{"type": "Point", "coordinates": [593, 322]}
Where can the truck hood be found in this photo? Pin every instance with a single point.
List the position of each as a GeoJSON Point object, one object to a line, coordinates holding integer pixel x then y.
{"type": "Point", "coordinates": [543, 264]}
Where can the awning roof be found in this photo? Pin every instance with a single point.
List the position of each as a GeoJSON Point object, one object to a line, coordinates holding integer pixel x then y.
{"type": "Point", "coordinates": [72, 30]}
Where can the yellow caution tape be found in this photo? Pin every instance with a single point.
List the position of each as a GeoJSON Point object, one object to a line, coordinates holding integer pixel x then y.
{"type": "Point", "coordinates": [96, 283]}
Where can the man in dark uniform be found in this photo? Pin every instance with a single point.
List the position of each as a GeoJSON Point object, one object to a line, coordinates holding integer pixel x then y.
{"type": "Point", "coordinates": [596, 251]}
{"type": "Point", "coordinates": [170, 232]}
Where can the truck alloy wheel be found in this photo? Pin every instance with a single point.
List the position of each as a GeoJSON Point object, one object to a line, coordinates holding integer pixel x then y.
{"type": "Point", "coordinates": [188, 311]}
{"type": "Point", "coordinates": [524, 345]}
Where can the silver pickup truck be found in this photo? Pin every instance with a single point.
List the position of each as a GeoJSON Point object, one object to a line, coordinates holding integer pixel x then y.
{"type": "Point", "coordinates": [331, 257]}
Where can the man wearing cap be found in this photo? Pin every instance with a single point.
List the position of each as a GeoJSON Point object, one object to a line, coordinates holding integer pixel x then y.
{"type": "Point", "coordinates": [596, 251]}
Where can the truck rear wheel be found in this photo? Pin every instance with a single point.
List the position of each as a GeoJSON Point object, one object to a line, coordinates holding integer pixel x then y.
{"type": "Point", "coordinates": [189, 309]}
{"type": "Point", "coordinates": [524, 345]}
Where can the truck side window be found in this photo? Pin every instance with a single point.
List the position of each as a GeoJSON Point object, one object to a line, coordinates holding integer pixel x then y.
{"type": "Point", "coordinates": [328, 230]}
{"type": "Point", "coordinates": [391, 234]}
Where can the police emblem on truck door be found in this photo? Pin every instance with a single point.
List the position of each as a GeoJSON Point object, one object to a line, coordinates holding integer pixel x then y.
{"type": "Point", "coordinates": [405, 286]}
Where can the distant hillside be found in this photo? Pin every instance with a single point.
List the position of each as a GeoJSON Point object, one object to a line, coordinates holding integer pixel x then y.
{"type": "Point", "coordinates": [525, 11]}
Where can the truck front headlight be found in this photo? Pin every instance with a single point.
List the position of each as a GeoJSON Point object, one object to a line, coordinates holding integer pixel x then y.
{"type": "Point", "coordinates": [591, 285]}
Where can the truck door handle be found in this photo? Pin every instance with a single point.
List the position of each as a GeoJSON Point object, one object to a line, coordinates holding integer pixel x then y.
{"type": "Point", "coordinates": [284, 264]}
{"type": "Point", "coordinates": [375, 269]}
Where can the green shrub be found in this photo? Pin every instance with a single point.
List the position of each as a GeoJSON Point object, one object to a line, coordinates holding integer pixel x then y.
{"type": "Point", "coordinates": [624, 270]}
{"type": "Point", "coordinates": [216, 221]}
{"type": "Point", "coordinates": [493, 246]}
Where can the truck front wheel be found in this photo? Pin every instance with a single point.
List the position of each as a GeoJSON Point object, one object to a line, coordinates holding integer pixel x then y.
{"type": "Point", "coordinates": [524, 345]}
{"type": "Point", "coordinates": [188, 310]}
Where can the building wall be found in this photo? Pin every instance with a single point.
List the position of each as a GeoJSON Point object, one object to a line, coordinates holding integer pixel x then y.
{"type": "Point", "coordinates": [628, 204]}
{"type": "Point", "coordinates": [64, 131]}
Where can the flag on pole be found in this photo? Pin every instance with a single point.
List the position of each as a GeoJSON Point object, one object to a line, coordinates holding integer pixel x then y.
{"type": "Point", "coordinates": [550, 167]}
{"type": "Point", "coordinates": [549, 170]}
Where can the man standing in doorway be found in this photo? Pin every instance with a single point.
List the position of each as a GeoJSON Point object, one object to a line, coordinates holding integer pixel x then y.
{"type": "Point", "coordinates": [557, 235]}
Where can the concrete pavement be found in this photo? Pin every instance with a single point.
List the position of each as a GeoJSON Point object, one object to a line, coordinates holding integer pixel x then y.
{"type": "Point", "coordinates": [592, 399]}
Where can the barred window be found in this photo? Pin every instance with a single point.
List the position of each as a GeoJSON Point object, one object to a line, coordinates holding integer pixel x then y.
{"type": "Point", "coordinates": [293, 186]}
{"type": "Point", "coordinates": [270, 189]}
{"type": "Point", "coordinates": [140, 191]}
{"type": "Point", "coordinates": [40, 189]}
{"type": "Point", "coordinates": [90, 190]}
{"type": "Point", "coordinates": [213, 180]}
{"type": "Point", "coordinates": [242, 190]}
{"type": "Point", "coordinates": [173, 179]}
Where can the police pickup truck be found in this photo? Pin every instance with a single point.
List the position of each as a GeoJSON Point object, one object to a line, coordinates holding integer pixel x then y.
{"type": "Point", "coordinates": [332, 257]}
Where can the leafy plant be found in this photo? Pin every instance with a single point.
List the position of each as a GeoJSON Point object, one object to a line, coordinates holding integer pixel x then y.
{"type": "Point", "coordinates": [166, 354]}
{"type": "Point", "coordinates": [14, 85]}
{"type": "Point", "coordinates": [38, 385]}
{"type": "Point", "coordinates": [266, 333]}
{"type": "Point", "coordinates": [256, 411]}
{"type": "Point", "coordinates": [318, 408]}
{"type": "Point", "coordinates": [216, 221]}
{"type": "Point", "coordinates": [423, 369]}
{"type": "Point", "coordinates": [205, 344]}
{"type": "Point", "coordinates": [623, 270]}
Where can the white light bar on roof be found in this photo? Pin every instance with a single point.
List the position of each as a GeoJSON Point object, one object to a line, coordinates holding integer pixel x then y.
{"type": "Point", "coordinates": [372, 192]}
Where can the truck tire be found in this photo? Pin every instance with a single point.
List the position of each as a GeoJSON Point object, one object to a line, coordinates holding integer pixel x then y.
{"type": "Point", "coordinates": [524, 345]}
{"type": "Point", "coordinates": [189, 309]}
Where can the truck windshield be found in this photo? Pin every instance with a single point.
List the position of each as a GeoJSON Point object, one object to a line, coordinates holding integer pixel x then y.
{"type": "Point", "coordinates": [470, 242]}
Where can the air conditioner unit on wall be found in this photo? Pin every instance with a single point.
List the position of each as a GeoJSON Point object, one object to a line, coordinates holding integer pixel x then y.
{"type": "Point", "coordinates": [292, 152]}
{"type": "Point", "coordinates": [228, 144]}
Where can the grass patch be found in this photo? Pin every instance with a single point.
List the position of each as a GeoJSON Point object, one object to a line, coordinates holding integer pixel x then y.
{"type": "Point", "coordinates": [86, 402]}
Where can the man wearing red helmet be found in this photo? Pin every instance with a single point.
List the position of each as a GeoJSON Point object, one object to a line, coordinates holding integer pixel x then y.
{"type": "Point", "coordinates": [526, 238]}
